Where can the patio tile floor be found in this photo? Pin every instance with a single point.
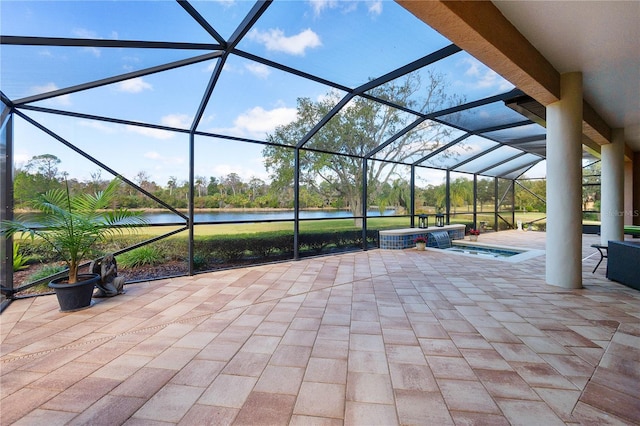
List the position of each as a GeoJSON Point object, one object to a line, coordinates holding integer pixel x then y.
{"type": "Point", "coordinates": [379, 337]}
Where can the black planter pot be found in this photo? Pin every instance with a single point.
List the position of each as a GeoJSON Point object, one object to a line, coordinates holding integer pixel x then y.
{"type": "Point", "coordinates": [74, 297]}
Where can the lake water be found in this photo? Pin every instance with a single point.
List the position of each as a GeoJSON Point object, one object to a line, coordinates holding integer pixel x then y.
{"type": "Point", "coordinates": [157, 218]}
{"type": "Point", "coordinates": [214, 216]}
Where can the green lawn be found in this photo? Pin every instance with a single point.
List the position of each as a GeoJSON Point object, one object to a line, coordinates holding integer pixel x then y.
{"type": "Point", "coordinates": [305, 226]}
{"type": "Point", "coordinates": [389, 222]}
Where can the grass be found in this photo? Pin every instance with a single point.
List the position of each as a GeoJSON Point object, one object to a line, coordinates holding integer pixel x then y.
{"type": "Point", "coordinates": [19, 260]}
{"type": "Point", "coordinates": [306, 226]}
{"type": "Point", "coordinates": [146, 255]}
{"type": "Point", "coordinates": [255, 228]}
{"type": "Point", "coordinates": [42, 272]}
{"type": "Point", "coordinates": [310, 226]}
{"type": "Point", "coordinates": [374, 223]}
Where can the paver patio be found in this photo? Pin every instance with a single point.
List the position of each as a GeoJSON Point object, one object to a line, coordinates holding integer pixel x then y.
{"type": "Point", "coordinates": [379, 337]}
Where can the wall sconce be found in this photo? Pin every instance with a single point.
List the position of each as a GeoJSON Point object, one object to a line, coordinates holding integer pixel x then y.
{"type": "Point", "coordinates": [423, 221]}
{"type": "Point", "coordinates": [440, 220]}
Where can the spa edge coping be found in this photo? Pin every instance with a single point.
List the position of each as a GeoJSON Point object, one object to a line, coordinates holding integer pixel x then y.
{"type": "Point", "coordinates": [412, 231]}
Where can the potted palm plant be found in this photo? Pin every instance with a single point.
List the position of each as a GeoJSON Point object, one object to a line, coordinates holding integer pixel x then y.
{"type": "Point", "coordinates": [71, 225]}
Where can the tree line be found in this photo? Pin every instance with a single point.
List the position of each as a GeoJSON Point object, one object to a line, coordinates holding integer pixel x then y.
{"type": "Point", "coordinates": [364, 128]}
{"type": "Point", "coordinates": [43, 173]}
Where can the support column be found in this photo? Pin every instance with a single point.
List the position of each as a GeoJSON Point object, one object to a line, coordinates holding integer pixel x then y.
{"type": "Point", "coordinates": [564, 185]}
{"type": "Point", "coordinates": [636, 188]}
{"type": "Point", "coordinates": [612, 189]}
{"type": "Point", "coordinates": [6, 200]}
{"type": "Point", "coordinates": [628, 194]}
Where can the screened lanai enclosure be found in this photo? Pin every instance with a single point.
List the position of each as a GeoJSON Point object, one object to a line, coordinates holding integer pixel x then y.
{"type": "Point", "coordinates": [252, 132]}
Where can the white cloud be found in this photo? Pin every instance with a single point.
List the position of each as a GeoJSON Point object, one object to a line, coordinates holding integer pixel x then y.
{"type": "Point", "coordinates": [257, 122]}
{"type": "Point", "coordinates": [20, 160]}
{"type": "Point", "coordinates": [129, 62]}
{"type": "Point", "coordinates": [63, 100]}
{"type": "Point", "coordinates": [259, 70]}
{"type": "Point", "coordinates": [134, 85]}
{"type": "Point", "coordinates": [155, 156]}
{"type": "Point", "coordinates": [319, 5]}
{"type": "Point", "coordinates": [375, 8]}
{"type": "Point", "coordinates": [245, 173]}
{"type": "Point", "coordinates": [48, 87]}
{"type": "Point", "coordinates": [162, 167]}
{"type": "Point", "coordinates": [225, 3]}
{"type": "Point", "coordinates": [212, 66]}
{"type": "Point", "coordinates": [100, 126]}
{"type": "Point", "coordinates": [149, 132]}
{"type": "Point", "coordinates": [334, 95]}
{"type": "Point", "coordinates": [152, 155]}
{"type": "Point", "coordinates": [180, 121]}
{"type": "Point", "coordinates": [275, 40]}
{"type": "Point", "coordinates": [85, 33]}
{"type": "Point", "coordinates": [93, 50]}
{"type": "Point", "coordinates": [474, 67]}
{"type": "Point", "coordinates": [484, 76]}
{"type": "Point", "coordinates": [491, 79]}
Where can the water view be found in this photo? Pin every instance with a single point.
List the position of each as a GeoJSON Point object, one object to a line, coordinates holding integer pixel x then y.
{"type": "Point", "coordinates": [159, 218]}
{"type": "Point", "coordinates": [233, 216]}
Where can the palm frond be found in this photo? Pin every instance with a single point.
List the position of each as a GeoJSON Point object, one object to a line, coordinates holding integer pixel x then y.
{"type": "Point", "coordinates": [72, 224]}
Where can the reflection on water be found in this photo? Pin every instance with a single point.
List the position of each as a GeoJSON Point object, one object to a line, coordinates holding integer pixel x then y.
{"type": "Point", "coordinates": [214, 216]}
{"type": "Point", "coordinates": [232, 216]}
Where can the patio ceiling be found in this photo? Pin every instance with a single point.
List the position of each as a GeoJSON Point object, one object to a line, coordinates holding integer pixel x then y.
{"type": "Point", "coordinates": [46, 59]}
{"type": "Point", "coordinates": [532, 43]}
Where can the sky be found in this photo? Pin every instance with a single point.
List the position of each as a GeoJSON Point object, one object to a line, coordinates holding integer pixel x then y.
{"type": "Point", "coordinates": [348, 42]}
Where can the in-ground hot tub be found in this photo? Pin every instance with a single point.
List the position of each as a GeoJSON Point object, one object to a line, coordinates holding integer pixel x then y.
{"type": "Point", "coordinates": [494, 252]}
{"type": "Point", "coordinates": [398, 239]}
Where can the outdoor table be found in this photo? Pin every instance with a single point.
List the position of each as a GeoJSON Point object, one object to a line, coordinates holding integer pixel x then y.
{"type": "Point", "coordinates": [603, 254]}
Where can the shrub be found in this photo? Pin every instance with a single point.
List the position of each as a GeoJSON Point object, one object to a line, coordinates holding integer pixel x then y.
{"type": "Point", "coordinates": [19, 260]}
{"type": "Point", "coordinates": [199, 261]}
{"type": "Point", "coordinates": [45, 271]}
{"type": "Point", "coordinates": [145, 255]}
{"type": "Point", "coordinates": [316, 242]}
{"type": "Point", "coordinates": [175, 248]}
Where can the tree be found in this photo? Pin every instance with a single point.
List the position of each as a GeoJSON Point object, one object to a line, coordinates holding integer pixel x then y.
{"type": "Point", "coordinates": [396, 194]}
{"type": "Point", "coordinates": [460, 192]}
{"type": "Point", "coordinates": [172, 184]}
{"type": "Point", "coordinates": [356, 131]}
{"type": "Point", "coordinates": [200, 184]}
{"type": "Point", "coordinates": [257, 187]}
{"type": "Point", "coordinates": [430, 198]}
{"type": "Point", "coordinates": [27, 186]}
{"type": "Point", "coordinates": [45, 164]}
{"type": "Point", "coordinates": [143, 179]}
{"type": "Point", "coordinates": [39, 175]}
{"type": "Point", "coordinates": [96, 182]}
{"type": "Point", "coordinates": [486, 193]}
{"type": "Point", "coordinates": [591, 186]}
{"type": "Point", "coordinates": [212, 187]}
{"type": "Point", "coordinates": [233, 182]}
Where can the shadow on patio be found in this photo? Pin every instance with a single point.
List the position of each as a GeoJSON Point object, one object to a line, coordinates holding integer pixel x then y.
{"type": "Point", "coordinates": [378, 337]}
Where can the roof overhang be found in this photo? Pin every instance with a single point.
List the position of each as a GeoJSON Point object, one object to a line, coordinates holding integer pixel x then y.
{"type": "Point", "coordinates": [482, 30]}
